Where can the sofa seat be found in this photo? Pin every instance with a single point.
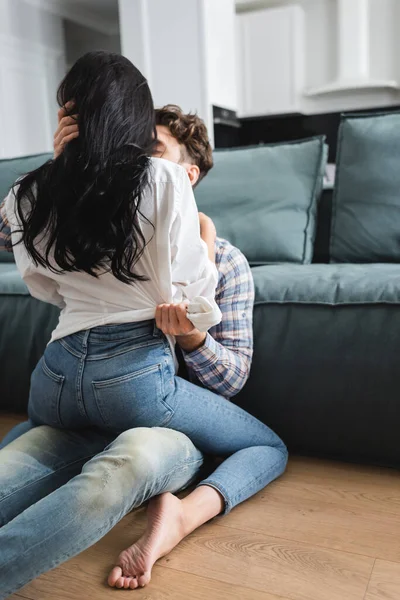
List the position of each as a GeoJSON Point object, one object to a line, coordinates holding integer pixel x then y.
{"type": "Point", "coordinates": [25, 328]}
{"type": "Point", "coordinates": [332, 285]}
{"type": "Point", "coordinates": [326, 372]}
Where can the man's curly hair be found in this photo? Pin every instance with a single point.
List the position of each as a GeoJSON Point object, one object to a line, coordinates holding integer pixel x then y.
{"type": "Point", "coordinates": [191, 132]}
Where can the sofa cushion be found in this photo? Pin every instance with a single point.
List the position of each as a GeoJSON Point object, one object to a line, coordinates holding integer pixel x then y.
{"type": "Point", "coordinates": [366, 204]}
{"type": "Point", "coordinates": [12, 168]}
{"type": "Point", "coordinates": [264, 199]}
{"type": "Point", "coordinates": [6, 257]}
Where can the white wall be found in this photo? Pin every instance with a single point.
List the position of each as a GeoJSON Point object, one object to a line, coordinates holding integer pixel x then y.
{"type": "Point", "coordinates": [32, 63]}
{"type": "Point", "coordinates": [134, 35]}
{"type": "Point", "coordinates": [26, 22]}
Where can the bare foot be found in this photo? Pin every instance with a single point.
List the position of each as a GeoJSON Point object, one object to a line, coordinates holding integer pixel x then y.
{"type": "Point", "coordinates": [165, 529]}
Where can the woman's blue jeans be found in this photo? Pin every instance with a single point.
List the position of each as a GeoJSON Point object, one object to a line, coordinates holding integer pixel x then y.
{"type": "Point", "coordinates": [122, 376]}
{"type": "Point", "coordinates": [93, 386]}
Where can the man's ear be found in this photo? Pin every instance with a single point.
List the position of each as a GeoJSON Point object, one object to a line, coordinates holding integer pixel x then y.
{"type": "Point", "coordinates": [194, 173]}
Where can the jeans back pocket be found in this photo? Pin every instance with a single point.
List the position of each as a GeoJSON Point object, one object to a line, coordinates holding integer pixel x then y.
{"type": "Point", "coordinates": [136, 399]}
{"type": "Point", "coordinates": [45, 394]}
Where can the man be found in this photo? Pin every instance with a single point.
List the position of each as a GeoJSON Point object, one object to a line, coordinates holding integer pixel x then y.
{"type": "Point", "coordinates": [98, 481]}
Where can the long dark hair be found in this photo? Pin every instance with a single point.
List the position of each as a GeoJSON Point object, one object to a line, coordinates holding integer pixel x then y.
{"type": "Point", "coordinates": [80, 211]}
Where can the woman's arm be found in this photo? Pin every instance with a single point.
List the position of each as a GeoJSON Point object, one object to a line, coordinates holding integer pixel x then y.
{"type": "Point", "coordinates": [194, 275]}
{"type": "Point", "coordinates": [172, 318]}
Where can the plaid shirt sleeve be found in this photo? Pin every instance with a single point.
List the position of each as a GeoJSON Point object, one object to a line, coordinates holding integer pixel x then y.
{"type": "Point", "coordinates": [222, 364]}
{"type": "Point", "coordinates": [5, 230]}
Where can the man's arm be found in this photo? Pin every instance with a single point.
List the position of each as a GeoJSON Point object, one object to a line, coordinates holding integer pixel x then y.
{"type": "Point", "coordinates": [208, 234]}
{"type": "Point", "coordinates": [222, 362]}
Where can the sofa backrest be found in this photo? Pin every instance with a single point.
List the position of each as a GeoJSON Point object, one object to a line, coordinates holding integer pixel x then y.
{"type": "Point", "coordinates": [11, 169]}
{"type": "Point", "coordinates": [264, 199]}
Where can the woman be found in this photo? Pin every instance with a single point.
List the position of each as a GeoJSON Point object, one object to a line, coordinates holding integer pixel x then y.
{"type": "Point", "coordinates": [107, 234]}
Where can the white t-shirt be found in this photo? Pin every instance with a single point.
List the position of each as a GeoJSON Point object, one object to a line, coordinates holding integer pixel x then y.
{"type": "Point", "coordinates": [175, 261]}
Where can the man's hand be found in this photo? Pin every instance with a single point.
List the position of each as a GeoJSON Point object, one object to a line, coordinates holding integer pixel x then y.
{"type": "Point", "coordinates": [172, 320]}
{"type": "Point", "coordinates": [67, 130]}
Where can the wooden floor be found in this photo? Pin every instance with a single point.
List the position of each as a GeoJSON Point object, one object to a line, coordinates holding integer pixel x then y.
{"type": "Point", "coordinates": [324, 531]}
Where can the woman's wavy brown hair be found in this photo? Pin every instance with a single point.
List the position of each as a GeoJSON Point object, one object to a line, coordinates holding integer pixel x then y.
{"type": "Point", "coordinates": [190, 131]}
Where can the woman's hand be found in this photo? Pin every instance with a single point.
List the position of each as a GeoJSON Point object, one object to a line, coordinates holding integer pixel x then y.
{"type": "Point", "coordinates": [172, 320]}
{"type": "Point", "coordinates": [67, 130]}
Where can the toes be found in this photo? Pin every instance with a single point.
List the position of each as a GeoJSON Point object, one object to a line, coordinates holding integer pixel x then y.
{"type": "Point", "coordinates": [120, 583]}
{"type": "Point", "coordinates": [133, 583]}
{"type": "Point", "coordinates": [113, 577]}
{"type": "Point", "coordinates": [127, 582]}
{"type": "Point", "coordinates": [118, 580]}
{"type": "Point", "coordinates": [144, 579]}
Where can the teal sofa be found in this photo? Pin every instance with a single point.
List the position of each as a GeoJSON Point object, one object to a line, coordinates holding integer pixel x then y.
{"type": "Point", "coordinates": [326, 372]}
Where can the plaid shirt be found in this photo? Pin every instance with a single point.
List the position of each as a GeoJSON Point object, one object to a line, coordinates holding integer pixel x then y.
{"type": "Point", "coordinates": [222, 364]}
{"type": "Point", "coordinates": [5, 231]}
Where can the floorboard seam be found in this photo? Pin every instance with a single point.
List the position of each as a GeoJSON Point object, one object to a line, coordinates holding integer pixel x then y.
{"type": "Point", "coordinates": [369, 580]}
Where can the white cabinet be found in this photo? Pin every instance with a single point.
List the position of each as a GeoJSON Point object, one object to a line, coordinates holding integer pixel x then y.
{"type": "Point", "coordinates": [270, 57]}
{"type": "Point", "coordinates": [219, 44]}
